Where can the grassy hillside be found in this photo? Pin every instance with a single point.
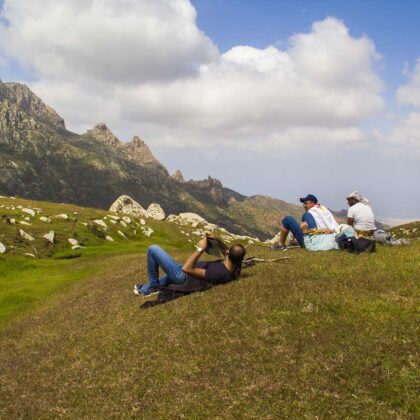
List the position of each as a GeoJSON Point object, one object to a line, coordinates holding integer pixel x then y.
{"type": "Point", "coordinates": [316, 335]}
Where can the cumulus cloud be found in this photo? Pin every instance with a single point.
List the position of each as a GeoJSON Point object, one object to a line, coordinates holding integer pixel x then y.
{"type": "Point", "coordinates": [114, 41]}
{"type": "Point", "coordinates": [407, 131]}
{"type": "Point", "coordinates": [146, 66]}
{"type": "Point", "coordinates": [410, 93]}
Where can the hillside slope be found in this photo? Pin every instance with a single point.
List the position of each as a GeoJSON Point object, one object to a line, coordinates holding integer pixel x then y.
{"type": "Point", "coordinates": [40, 159]}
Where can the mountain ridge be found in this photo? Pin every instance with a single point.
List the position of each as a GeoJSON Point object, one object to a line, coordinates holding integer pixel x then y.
{"type": "Point", "coordinates": [41, 159]}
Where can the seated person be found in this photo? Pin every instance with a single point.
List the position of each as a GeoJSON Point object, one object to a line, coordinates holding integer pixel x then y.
{"type": "Point", "coordinates": [317, 230]}
{"type": "Point", "coordinates": [360, 215]}
{"type": "Point", "coordinates": [214, 272]}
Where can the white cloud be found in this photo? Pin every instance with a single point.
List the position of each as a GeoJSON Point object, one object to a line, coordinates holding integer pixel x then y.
{"type": "Point", "coordinates": [114, 41]}
{"type": "Point", "coordinates": [407, 131]}
{"type": "Point", "coordinates": [145, 66]}
{"type": "Point", "coordinates": [410, 93]}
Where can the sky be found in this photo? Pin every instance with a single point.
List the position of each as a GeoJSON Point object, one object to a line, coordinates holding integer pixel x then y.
{"type": "Point", "coordinates": [281, 98]}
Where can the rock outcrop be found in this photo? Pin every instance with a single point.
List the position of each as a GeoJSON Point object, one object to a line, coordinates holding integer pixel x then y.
{"type": "Point", "coordinates": [103, 134]}
{"type": "Point", "coordinates": [155, 211]}
{"type": "Point", "coordinates": [127, 205]}
{"type": "Point", "coordinates": [177, 176]}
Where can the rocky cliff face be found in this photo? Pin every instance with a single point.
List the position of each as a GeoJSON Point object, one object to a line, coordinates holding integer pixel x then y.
{"type": "Point", "coordinates": [40, 159]}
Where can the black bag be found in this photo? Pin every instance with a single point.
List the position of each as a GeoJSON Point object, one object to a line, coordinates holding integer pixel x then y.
{"type": "Point", "coordinates": [357, 245]}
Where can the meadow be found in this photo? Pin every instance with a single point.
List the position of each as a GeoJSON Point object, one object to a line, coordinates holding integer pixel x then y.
{"type": "Point", "coordinates": [327, 335]}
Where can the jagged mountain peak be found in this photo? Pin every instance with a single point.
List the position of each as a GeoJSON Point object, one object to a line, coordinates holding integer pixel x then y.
{"type": "Point", "coordinates": [177, 176]}
{"type": "Point", "coordinates": [19, 97]}
{"type": "Point", "coordinates": [102, 133]}
{"type": "Point", "coordinates": [140, 151]}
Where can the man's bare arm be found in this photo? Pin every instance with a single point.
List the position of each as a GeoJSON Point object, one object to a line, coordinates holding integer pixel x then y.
{"type": "Point", "coordinates": [189, 265]}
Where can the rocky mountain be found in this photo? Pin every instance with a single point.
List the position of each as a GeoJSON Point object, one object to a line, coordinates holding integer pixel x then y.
{"type": "Point", "coordinates": [40, 159]}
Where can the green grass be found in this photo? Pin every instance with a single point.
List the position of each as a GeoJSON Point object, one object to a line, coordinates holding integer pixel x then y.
{"type": "Point", "coordinates": [327, 335]}
{"type": "Point", "coordinates": [318, 335]}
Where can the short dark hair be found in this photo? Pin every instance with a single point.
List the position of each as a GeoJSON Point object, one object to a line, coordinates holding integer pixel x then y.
{"type": "Point", "coordinates": [236, 254]}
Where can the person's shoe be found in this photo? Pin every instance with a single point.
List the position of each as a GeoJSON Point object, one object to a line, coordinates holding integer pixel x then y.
{"type": "Point", "coordinates": [147, 290]}
{"type": "Point", "coordinates": [137, 288]}
{"type": "Point", "coordinates": [278, 247]}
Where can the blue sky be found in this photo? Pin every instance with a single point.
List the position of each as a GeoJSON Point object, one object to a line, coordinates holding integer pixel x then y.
{"type": "Point", "coordinates": [392, 25]}
{"type": "Point", "coordinates": [209, 97]}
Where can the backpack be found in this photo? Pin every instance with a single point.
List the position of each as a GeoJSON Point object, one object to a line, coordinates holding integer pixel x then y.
{"type": "Point", "coordinates": [356, 245]}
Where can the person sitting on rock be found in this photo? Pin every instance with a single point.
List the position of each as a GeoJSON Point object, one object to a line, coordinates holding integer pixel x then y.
{"type": "Point", "coordinates": [360, 215]}
{"type": "Point", "coordinates": [213, 272]}
{"type": "Point", "coordinates": [317, 229]}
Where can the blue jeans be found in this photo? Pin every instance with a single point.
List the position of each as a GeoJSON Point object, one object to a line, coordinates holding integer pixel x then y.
{"type": "Point", "coordinates": [292, 225]}
{"type": "Point", "coordinates": [157, 257]}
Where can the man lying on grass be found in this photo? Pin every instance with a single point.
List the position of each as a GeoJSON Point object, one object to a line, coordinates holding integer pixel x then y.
{"type": "Point", "coordinates": [214, 272]}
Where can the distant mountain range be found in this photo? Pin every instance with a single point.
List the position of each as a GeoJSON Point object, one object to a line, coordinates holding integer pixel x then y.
{"type": "Point", "coordinates": [41, 159]}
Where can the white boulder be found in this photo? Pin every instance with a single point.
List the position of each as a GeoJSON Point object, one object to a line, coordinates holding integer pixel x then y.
{"type": "Point", "coordinates": [186, 219]}
{"type": "Point", "coordinates": [126, 219]}
{"type": "Point", "coordinates": [73, 242]}
{"type": "Point", "coordinates": [122, 223]}
{"type": "Point", "coordinates": [122, 234]}
{"type": "Point", "coordinates": [62, 216]}
{"type": "Point", "coordinates": [2, 248]}
{"type": "Point", "coordinates": [109, 238]}
{"type": "Point", "coordinates": [50, 236]}
{"type": "Point", "coordinates": [155, 211]}
{"type": "Point", "coordinates": [147, 231]}
{"type": "Point", "coordinates": [28, 211]}
{"type": "Point", "coordinates": [25, 235]}
{"type": "Point", "coordinates": [127, 205]}
{"type": "Point", "coordinates": [23, 222]}
{"type": "Point", "coordinates": [45, 219]}
{"type": "Point", "coordinates": [101, 223]}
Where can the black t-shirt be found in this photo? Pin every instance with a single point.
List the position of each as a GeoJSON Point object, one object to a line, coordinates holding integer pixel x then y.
{"type": "Point", "coordinates": [216, 272]}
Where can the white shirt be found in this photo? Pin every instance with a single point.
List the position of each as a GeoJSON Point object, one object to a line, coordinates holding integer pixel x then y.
{"type": "Point", "coordinates": [363, 217]}
{"type": "Point", "coordinates": [323, 218]}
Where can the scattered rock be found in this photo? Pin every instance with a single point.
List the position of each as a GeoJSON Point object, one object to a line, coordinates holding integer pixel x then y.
{"type": "Point", "coordinates": [116, 218]}
{"type": "Point", "coordinates": [26, 236]}
{"type": "Point", "coordinates": [22, 222]}
{"type": "Point", "coordinates": [101, 223]}
{"type": "Point", "coordinates": [84, 223]}
{"type": "Point", "coordinates": [50, 236]}
{"type": "Point", "coordinates": [114, 222]}
{"type": "Point", "coordinates": [186, 219]}
{"type": "Point", "coordinates": [122, 223]}
{"type": "Point", "coordinates": [143, 222]}
{"type": "Point", "coordinates": [147, 231]}
{"type": "Point", "coordinates": [73, 242]}
{"type": "Point", "coordinates": [29, 211]}
{"type": "Point", "coordinates": [109, 238]}
{"type": "Point", "coordinates": [155, 211]}
{"type": "Point", "coordinates": [45, 219]}
{"type": "Point", "coordinates": [127, 205]}
{"type": "Point", "coordinates": [76, 247]}
{"type": "Point", "coordinates": [12, 221]}
{"type": "Point", "coordinates": [62, 216]}
{"type": "Point", "coordinates": [122, 234]}
{"type": "Point", "coordinates": [126, 219]}
{"type": "Point", "coordinates": [2, 248]}
{"type": "Point", "coordinates": [27, 254]}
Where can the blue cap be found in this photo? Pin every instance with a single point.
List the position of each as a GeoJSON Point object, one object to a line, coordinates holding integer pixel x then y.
{"type": "Point", "coordinates": [309, 197]}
